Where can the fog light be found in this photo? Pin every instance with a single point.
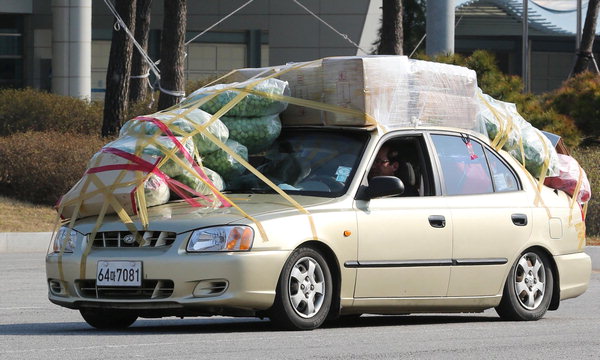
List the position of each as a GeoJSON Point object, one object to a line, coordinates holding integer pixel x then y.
{"type": "Point", "coordinates": [56, 287]}
{"type": "Point", "coordinates": [206, 288]}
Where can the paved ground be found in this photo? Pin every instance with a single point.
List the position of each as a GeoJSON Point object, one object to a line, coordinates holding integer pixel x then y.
{"type": "Point", "coordinates": [33, 328]}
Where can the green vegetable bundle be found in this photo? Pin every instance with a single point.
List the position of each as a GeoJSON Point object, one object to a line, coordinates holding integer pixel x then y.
{"type": "Point", "coordinates": [257, 133]}
{"type": "Point", "coordinates": [198, 185]}
{"type": "Point", "coordinates": [251, 105]}
{"type": "Point", "coordinates": [181, 127]}
{"type": "Point", "coordinates": [225, 164]}
{"type": "Point", "coordinates": [516, 130]}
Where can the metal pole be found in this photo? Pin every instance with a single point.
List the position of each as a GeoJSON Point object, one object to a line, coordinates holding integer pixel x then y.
{"type": "Point", "coordinates": [578, 32]}
{"type": "Point", "coordinates": [440, 27]}
{"type": "Point", "coordinates": [525, 47]}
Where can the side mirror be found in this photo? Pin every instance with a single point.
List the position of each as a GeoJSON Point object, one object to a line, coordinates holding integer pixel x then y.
{"type": "Point", "coordinates": [382, 186]}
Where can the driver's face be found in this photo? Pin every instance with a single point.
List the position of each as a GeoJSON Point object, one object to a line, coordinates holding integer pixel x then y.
{"type": "Point", "coordinates": [382, 166]}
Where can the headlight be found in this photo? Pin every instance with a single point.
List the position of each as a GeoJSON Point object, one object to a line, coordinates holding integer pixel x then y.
{"type": "Point", "coordinates": [67, 237]}
{"type": "Point", "coordinates": [221, 238]}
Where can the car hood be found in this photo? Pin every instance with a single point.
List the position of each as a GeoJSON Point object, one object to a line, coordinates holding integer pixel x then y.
{"type": "Point", "coordinates": [179, 216]}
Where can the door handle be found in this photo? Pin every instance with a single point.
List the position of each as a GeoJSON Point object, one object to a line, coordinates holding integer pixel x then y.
{"type": "Point", "coordinates": [437, 221]}
{"type": "Point", "coordinates": [519, 219]}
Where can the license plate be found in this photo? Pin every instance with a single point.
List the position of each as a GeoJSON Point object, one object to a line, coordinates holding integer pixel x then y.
{"type": "Point", "coordinates": [119, 273]}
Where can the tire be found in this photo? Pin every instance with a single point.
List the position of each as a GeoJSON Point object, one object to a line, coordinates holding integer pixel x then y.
{"type": "Point", "coordinates": [528, 288]}
{"type": "Point", "coordinates": [304, 291]}
{"type": "Point", "coordinates": [108, 319]}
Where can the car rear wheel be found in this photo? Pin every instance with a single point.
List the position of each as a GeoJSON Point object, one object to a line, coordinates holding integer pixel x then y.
{"type": "Point", "coordinates": [304, 291]}
{"type": "Point", "coordinates": [528, 289]}
{"type": "Point", "coordinates": [108, 319]}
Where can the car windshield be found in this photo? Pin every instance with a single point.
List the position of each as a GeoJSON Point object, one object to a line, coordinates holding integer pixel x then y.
{"type": "Point", "coordinates": [315, 162]}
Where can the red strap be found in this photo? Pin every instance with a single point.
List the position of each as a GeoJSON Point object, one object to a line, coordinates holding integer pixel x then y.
{"type": "Point", "coordinates": [184, 151]}
{"type": "Point", "coordinates": [147, 167]}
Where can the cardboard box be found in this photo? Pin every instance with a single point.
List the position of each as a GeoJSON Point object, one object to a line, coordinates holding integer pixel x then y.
{"type": "Point", "coordinates": [373, 85]}
{"type": "Point", "coordinates": [390, 90]}
{"type": "Point", "coordinates": [305, 83]}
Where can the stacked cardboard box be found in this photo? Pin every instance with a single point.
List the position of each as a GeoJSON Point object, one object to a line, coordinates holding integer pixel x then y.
{"type": "Point", "coordinates": [389, 90]}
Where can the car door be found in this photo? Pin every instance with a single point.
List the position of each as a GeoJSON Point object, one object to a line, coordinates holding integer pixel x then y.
{"type": "Point", "coordinates": [405, 242]}
{"type": "Point", "coordinates": [491, 214]}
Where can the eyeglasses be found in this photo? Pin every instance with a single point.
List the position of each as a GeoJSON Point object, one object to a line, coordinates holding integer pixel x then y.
{"type": "Point", "coordinates": [380, 162]}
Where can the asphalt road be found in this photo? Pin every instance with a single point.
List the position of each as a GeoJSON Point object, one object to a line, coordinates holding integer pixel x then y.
{"type": "Point", "coordinates": [33, 328]}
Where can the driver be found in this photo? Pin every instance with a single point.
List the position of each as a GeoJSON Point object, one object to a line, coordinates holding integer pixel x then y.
{"type": "Point", "coordinates": [385, 164]}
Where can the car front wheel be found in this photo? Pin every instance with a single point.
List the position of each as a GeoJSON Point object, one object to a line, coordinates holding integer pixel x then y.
{"type": "Point", "coordinates": [304, 291]}
{"type": "Point", "coordinates": [528, 289]}
{"type": "Point", "coordinates": [108, 319]}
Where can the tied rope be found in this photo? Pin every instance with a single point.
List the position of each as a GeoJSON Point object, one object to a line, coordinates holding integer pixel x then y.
{"type": "Point", "coordinates": [218, 22]}
{"type": "Point", "coordinates": [120, 24]}
{"type": "Point", "coordinates": [344, 36]}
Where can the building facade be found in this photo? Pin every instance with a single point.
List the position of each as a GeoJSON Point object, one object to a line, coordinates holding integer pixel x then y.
{"type": "Point", "coordinates": [263, 32]}
{"type": "Point", "coordinates": [63, 45]}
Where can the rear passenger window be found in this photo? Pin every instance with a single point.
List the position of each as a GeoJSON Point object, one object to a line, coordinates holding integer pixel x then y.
{"type": "Point", "coordinates": [464, 166]}
{"type": "Point", "coordinates": [504, 179]}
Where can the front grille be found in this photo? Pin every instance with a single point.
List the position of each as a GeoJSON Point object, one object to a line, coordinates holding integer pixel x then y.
{"type": "Point", "coordinates": [125, 239]}
{"type": "Point", "coordinates": [150, 289]}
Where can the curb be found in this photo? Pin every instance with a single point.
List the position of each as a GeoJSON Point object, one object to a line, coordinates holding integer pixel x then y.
{"type": "Point", "coordinates": [38, 242]}
{"type": "Point", "coordinates": [16, 242]}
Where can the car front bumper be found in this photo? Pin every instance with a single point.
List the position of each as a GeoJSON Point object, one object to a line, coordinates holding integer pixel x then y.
{"type": "Point", "coordinates": [228, 283]}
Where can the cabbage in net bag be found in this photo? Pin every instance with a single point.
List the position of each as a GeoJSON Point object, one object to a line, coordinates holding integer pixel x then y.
{"type": "Point", "coordinates": [251, 105]}
{"type": "Point", "coordinates": [225, 164]}
{"type": "Point", "coordinates": [200, 186]}
{"type": "Point", "coordinates": [501, 119]}
{"type": "Point", "coordinates": [148, 125]}
{"type": "Point", "coordinates": [161, 145]}
{"type": "Point", "coordinates": [257, 133]}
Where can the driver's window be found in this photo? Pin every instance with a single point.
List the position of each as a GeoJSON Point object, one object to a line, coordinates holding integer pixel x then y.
{"type": "Point", "coordinates": [464, 165]}
{"type": "Point", "coordinates": [403, 158]}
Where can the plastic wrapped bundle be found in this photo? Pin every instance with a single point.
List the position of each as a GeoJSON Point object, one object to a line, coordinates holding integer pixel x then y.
{"type": "Point", "coordinates": [148, 125]}
{"type": "Point", "coordinates": [570, 175]}
{"type": "Point", "coordinates": [442, 94]}
{"type": "Point", "coordinates": [256, 134]}
{"type": "Point", "coordinates": [225, 164]}
{"type": "Point", "coordinates": [158, 148]}
{"type": "Point", "coordinates": [539, 152]}
{"type": "Point", "coordinates": [489, 112]}
{"type": "Point", "coordinates": [156, 191]}
{"type": "Point", "coordinates": [249, 106]}
{"type": "Point", "coordinates": [506, 128]}
{"type": "Point", "coordinates": [198, 185]}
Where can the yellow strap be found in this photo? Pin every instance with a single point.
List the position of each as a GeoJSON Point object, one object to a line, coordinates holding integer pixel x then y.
{"type": "Point", "coordinates": [74, 215]}
{"type": "Point", "coordinates": [258, 174]}
{"type": "Point", "coordinates": [117, 207]}
{"type": "Point", "coordinates": [538, 195]}
{"type": "Point", "coordinates": [88, 248]}
{"type": "Point", "coordinates": [580, 227]}
{"type": "Point", "coordinates": [315, 105]}
{"type": "Point", "coordinates": [498, 117]}
{"type": "Point", "coordinates": [576, 193]}
{"type": "Point", "coordinates": [546, 160]}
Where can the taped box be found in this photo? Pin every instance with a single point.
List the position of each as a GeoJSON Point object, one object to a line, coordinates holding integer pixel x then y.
{"type": "Point", "coordinates": [306, 83]}
{"type": "Point", "coordinates": [374, 85]}
{"type": "Point", "coordinates": [389, 90]}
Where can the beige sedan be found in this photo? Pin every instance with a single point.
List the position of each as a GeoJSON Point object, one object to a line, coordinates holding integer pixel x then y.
{"type": "Point", "coordinates": [451, 228]}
